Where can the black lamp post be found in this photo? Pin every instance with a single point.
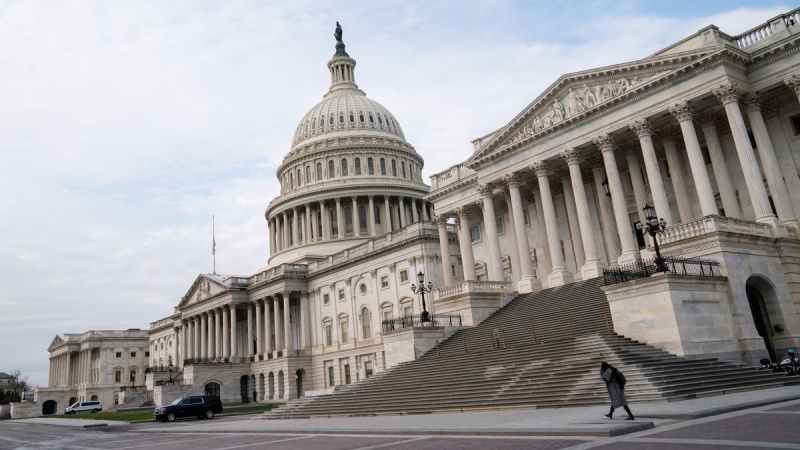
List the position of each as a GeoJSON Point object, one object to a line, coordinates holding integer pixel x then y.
{"type": "Point", "coordinates": [653, 226]}
{"type": "Point", "coordinates": [421, 290]}
{"type": "Point", "coordinates": [605, 187]}
{"type": "Point", "coordinates": [170, 373]}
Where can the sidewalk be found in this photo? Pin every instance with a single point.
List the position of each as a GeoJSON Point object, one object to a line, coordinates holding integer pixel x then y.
{"type": "Point", "coordinates": [584, 421]}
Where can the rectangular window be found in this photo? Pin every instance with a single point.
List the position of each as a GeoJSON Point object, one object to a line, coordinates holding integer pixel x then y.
{"type": "Point", "coordinates": [384, 282]}
{"type": "Point", "coordinates": [343, 326]}
{"type": "Point", "coordinates": [146, 354]}
{"type": "Point", "coordinates": [795, 121]}
{"type": "Point", "coordinates": [475, 233]}
{"type": "Point", "coordinates": [387, 314]}
{"type": "Point", "coordinates": [328, 334]}
{"type": "Point", "coordinates": [500, 227]}
{"type": "Point", "coordinates": [133, 354]}
{"type": "Point", "coordinates": [408, 310]}
{"type": "Point", "coordinates": [330, 376]}
{"type": "Point", "coordinates": [368, 368]}
{"type": "Point", "coordinates": [133, 376]}
{"type": "Point", "coordinates": [403, 276]}
{"type": "Point", "coordinates": [341, 294]}
{"type": "Point", "coordinates": [117, 376]}
{"type": "Point", "coordinates": [326, 299]}
{"type": "Point", "coordinates": [526, 216]}
{"type": "Point", "coordinates": [119, 354]}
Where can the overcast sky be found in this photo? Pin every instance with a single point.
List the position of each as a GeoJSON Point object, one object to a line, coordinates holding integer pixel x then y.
{"type": "Point", "coordinates": [124, 125]}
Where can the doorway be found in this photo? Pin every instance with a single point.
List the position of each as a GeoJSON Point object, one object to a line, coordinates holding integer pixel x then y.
{"type": "Point", "coordinates": [756, 289]}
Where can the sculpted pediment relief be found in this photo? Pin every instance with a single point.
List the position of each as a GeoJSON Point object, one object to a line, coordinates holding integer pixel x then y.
{"type": "Point", "coordinates": [581, 94]}
{"type": "Point", "coordinates": [202, 288]}
{"type": "Point", "coordinates": [55, 343]}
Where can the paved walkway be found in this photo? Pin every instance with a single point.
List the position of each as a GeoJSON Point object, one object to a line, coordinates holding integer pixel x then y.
{"type": "Point", "coordinates": [584, 421]}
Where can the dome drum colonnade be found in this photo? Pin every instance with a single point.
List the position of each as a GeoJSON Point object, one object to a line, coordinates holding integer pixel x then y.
{"type": "Point", "coordinates": [615, 214]}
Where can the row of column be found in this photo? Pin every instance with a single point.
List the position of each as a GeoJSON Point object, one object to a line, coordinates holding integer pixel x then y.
{"type": "Point", "coordinates": [212, 334]}
{"type": "Point", "coordinates": [617, 229]}
{"type": "Point", "coordinates": [313, 222]}
{"type": "Point", "coordinates": [72, 368]}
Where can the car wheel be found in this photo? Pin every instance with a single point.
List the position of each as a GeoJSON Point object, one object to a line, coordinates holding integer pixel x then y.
{"type": "Point", "coordinates": [170, 417]}
{"type": "Point", "coordinates": [95, 410]}
{"type": "Point", "coordinates": [209, 414]}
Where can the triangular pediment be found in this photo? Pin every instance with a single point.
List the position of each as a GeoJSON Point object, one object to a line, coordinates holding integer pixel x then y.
{"type": "Point", "coordinates": [578, 95]}
{"type": "Point", "coordinates": [204, 287]}
{"type": "Point", "coordinates": [55, 343]}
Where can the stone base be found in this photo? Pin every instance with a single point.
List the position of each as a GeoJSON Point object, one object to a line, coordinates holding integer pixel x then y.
{"type": "Point", "coordinates": [529, 284]}
{"type": "Point", "coordinates": [592, 269]}
{"type": "Point", "coordinates": [778, 228]}
{"type": "Point", "coordinates": [559, 278]}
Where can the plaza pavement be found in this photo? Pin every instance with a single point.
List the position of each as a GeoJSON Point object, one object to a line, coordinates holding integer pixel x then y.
{"type": "Point", "coordinates": [582, 421]}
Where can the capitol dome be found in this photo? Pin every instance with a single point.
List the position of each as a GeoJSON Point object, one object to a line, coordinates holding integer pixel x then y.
{"type": "Point", "coordinates": [350, 175]}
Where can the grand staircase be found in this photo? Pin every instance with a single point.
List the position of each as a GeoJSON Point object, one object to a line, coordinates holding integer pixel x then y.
{"type": "Point", "coordinates": [541, 350]}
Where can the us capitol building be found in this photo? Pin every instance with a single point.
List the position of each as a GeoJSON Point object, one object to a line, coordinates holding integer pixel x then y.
{"type": "Point", "coordinates": [706, 131]}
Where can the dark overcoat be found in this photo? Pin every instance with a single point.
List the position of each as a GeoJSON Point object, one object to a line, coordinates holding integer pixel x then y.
{"type": "Point", "coordinates": [615, 392]}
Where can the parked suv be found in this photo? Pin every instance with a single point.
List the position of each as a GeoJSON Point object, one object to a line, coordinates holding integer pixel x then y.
{"type": "Point", "coordinates": [83, 407]}
{"type": "Point", "coordinates": [200, 406]}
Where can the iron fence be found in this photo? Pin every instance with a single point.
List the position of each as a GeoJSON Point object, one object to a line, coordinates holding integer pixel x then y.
{"type": "Point", "coordinates": [211, 361]}
{"type": "Point", "coordinates": [646, 268]}
{"type": "Point", "coordinates": [415, 320]}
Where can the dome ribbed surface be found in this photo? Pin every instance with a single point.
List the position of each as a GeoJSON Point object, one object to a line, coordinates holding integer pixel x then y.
{"type": "Point", "coordinates": [367, 114]}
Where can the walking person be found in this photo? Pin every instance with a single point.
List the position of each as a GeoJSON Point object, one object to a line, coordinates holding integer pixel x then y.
{"type": "Point", "coordinates": [615, 383]}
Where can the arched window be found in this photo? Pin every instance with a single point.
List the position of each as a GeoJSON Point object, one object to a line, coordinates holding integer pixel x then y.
{"type": "Point", "coordinates": [321, 123]}
{"type": "Point", "coordinates": [348, 219]}
{"type": "Point", "coordinates": [344, 167]}
{"type": "Point", "coordinates": [308, 174]}
{"type": "Point", "coordinates": [361, 118]}
{"type": "Point", "coordinates": [403, 169]}
{"type": "Point", "coordinates": [341, 118]}
{"type": "Point", "coordinates": [331, 169]}
{"type": "Point", "coordinates": [370, 167]}
{"type": "Point", "coordinates": [319, 171]}
{"type": "Point", "coordinates": [291, 180]}
{"type": "Point", "coordinates": [394, 168]}
{"type": "Point", "coordinates": [334, 222]}
{"type": "Point", "coordinates": [330, 120]}
{"type": "Point", "coordinates": [383, 166]}
{"type": "Point", "coordinates": [299, 178]}
{"type": "Point", "coordinates": [380, 121]}
{"type": "Point", "coordinates": [212, 388]}
{"type": "Point", "coordinates": [411, 171]}
{"type": "Point", "coordinates": [362, 217]}
{"type": "Point", "coordinates": [352, 118]}
{"type": "Point", "coordinates": [366, 331]}
{"type": "Point", "coordinates": [371, 119]}
{"type": "Point", "coordinates": [357, 166]}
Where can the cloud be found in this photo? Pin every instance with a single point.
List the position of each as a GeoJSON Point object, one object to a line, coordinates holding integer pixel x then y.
{"type": "Point", "coordinates": [125, 125]}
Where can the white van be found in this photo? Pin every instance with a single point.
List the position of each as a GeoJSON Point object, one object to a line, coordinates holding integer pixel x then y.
{"type": "Point", "coordinates": [79, 407]}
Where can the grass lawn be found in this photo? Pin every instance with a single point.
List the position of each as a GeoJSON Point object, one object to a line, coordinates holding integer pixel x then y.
{"type": "Point", "coordinates": [147, 414]}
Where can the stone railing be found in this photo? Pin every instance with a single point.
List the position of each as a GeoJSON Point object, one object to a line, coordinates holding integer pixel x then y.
{"type": "Point", "coordinates": [450, 176]}
{"type": "Point", "coordinates": [278, 271]}
{"type": "Point", "coordinates": [470, 287]}
{"type": "Point", "coordinates": [766, 30]}
{"type": "Point", "coordinates": [713, 224]}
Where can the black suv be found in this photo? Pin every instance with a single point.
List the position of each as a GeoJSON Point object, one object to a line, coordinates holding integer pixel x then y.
{"type": "Point", "coordinates": [200, 406]}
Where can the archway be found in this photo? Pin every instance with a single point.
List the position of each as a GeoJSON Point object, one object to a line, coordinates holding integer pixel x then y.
{"type": "Point", "coordinates": [761, 298]}
{"type": "Point", "coordinates": [271, 385]}
{"type": "Point", "coordinates": [281, 385]}
{"type": "Point", "coordinates": [261, 386]}
{"type": "Point", "coordinates": [243, 388]}
{"type": "Point", "coordinates": [72, 400]}
{"type": "Point", "coordinates": [94, 398]}
{"type": "Point", "coordinates": [212, 388]}
{"type": "Point", "coordinates": [49, 407]}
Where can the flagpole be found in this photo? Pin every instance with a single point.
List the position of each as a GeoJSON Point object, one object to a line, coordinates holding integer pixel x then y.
{"type": "Point", "coordinates": [213, 245]}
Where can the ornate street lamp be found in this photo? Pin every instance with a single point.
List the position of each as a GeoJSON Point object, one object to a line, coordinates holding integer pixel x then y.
{"type": "Point", "coordinates": [605, 187]}
{"type": "Point", "coordinates": [422, 290]}
{"type": "Point", "coordinates": [653, 226]}
{"type": "Point", "coordinates": [170, 368]}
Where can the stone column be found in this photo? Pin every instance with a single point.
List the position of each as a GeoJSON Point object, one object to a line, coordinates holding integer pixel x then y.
{"type": "Point", "coordinates": [592, 268]}
{"type": "Point", "coordinates": [414, 213]}
{"type": "Point", "coordinates": [683, 113]}
{"type": "Point", "coordinates": [769, 162]}
{"type": "Point", "coordinates": [250, 348]}
{"type": "Point", "coordinates": [286, 229]}
{"type": "Point", "coordinates": [314, 234]}
{"type": "Point", "coordinates": [278, 324]}
{"type": "Point", "coordinates": [287, 326]}
{"type": "Point", "coordinates": [402, 208]}
{"type": "Point", "coordinates": [325, 218]}
{"type": "Point", "coordinates": [644, 131]}
{"type": "Point", "coordinates": [371, 216]}
{"type": "Point", "coordinates": [493, 244]}
{"type": "Point", "coordinates": [309, 232]}
{"type": "Point", "coordinates": [268, 325]}
{"type": "Point", "coordinates": [444, 248]}
{"type": "Point", "coordinates": [388, 213]}
{"type": "Point", "coordinates": [339, 219]}
{"type": "Point", "coordinates": [304, 342]}
{"type": "Point", "coordinates": [204, 335]}
{"type": "Point", "coordinates": [218, 332]}
{"type": "Point", "coordinates": [728, 94]}
{"type": "Point", "coordinates": [234, 333]}
{"type": "Point", "coordinates": [527, 282]}
{"type": "Point", "coordinates": [355, 218]}
{"type": "Point", "coordinates": [559, 275]}
{"type": "Point", "coordinates": [572, 217]}
{"type": "Point", "coordinates": [272, 241]}
{"type": "Point", "coordinates": [720, 166]}
{"type": "Point", "coordinates": [630, 249]}
{"type": "Point", "coordinates": [259, 328]}
{"type": "Point", "coordinates": [635, 172]}
{"type": "Point", "coordinates": [511, 229]}
{"type": "Point", "coordinates": [543, 259]}
{"type": "Point", "coordinates": [425, 217]}
{"type": "Point", "coordinates": [226, 331]}
{"type": "Point", "coordinates": [465, 243]}
{"type": "Point", "coordinates": [668, 137]}
{"type": "Point", "coordinates": [609, 226]}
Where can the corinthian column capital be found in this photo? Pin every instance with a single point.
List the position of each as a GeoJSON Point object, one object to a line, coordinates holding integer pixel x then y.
{"type": "Point", "coordinates": [604, 142]}
{"type": "Point", "coordinates": [511, 179]}
{"type": "Point", "coordinates": [539, 168]}
{"type": "Point", "coordinates": [682, 111]}
{"type": "Point", "coordinates": [485, 190]}
{"type": "Point", "coordinates": [707, 118]}
{"type": "Point", "coordinates": [571, 156]}
{"type": "Point", "coordinates": [794, 83]}
{"type": "Point", "coordinates": [642, 128]}
{"type": "Point", "coordinates": [440, 220]}
{"type": "Point", "coordinates": [669, 134]}
{"type": "Point", "coordinates": [752, 102]}
{"type": "Point", "coordinates": [727, 92]}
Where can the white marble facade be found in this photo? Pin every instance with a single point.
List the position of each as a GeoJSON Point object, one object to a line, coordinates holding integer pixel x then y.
{"type": "Point", "coordinates": [706, 130]}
